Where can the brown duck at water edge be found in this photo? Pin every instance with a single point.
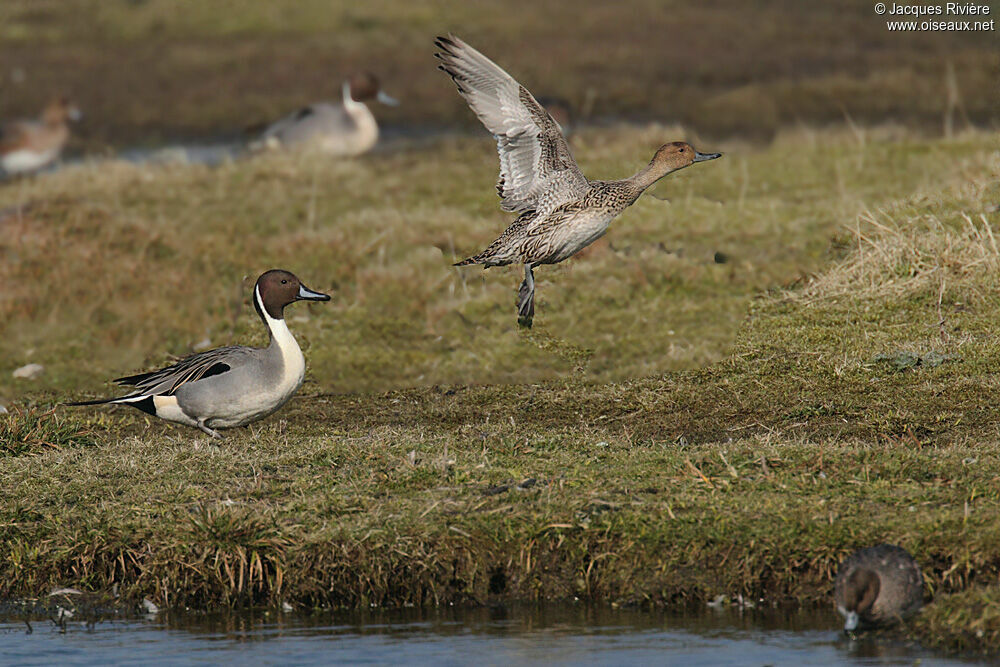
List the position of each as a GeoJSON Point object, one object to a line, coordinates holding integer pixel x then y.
{"type": "Point", "coordinates": [876, 586]}
{"type": "Point", "coordinates": [560, 210]}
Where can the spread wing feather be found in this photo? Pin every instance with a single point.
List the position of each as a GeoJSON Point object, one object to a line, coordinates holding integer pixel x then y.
{"type": "Point", "coordinates": [537, 170]}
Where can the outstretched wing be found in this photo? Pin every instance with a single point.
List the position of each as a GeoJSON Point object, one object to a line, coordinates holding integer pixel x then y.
{"type": "Point", "coordinates": [537, 171]}
{"type": "Point", "coordinates": [167, 381]}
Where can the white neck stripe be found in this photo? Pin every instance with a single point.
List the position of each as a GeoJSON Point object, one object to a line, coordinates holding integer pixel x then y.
{"type": "Point", "coordinates": [293, 364]}
{"type": "Point", "coordinates": [350, 102]}
{"type": "Point", "coordinates": [270, 321]}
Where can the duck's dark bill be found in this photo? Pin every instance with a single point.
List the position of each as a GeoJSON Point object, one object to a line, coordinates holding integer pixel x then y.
{"type": "Point", "coordinates": [308, 295]}
{"type": "Point", "coordinates": [701, 157]}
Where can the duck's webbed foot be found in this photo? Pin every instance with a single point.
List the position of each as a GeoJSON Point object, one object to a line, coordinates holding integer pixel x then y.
{"type": "Point", "coordinates": [205, 429]}
{"type": "Point", "coordinates": [526, 299]}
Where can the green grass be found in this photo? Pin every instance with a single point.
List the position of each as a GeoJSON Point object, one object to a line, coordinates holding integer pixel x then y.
{"type": "Point", "coordinates": [30, 430]}
{"type": "Point", "coordinates": [968, 621]}
{"type": "Point", "coordinates": [152, 260]}
{"type": "Point", "coordinates": [689, 431]}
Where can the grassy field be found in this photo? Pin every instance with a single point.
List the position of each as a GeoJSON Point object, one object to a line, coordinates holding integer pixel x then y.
{"type": "Point", "coordinates": [673, 429]}
{"type": "Point", "coordinates": [144, 70]}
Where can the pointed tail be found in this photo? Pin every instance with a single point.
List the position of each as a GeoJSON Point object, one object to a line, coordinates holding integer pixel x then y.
{"type": "Point", "coordinates": [467, 262]}
{"type": "Point", "coordinates": [99, 401]}
{"type": "Point", "coordinates": [142, 402]}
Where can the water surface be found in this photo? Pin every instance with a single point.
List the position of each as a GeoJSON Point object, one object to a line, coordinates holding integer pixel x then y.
{"type": "Point", "coordinates": [563, 634]}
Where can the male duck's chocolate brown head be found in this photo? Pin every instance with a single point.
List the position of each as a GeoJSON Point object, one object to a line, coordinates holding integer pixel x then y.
{"type": "Point", "coordinates": [860, 594]}
{"type": "Point", "coordinates": [276, 288]}
{"type": "Point", "coordinates": [365, 86]}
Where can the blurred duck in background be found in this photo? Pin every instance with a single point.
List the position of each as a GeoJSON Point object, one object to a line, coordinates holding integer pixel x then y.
{"type": "Point", "coordinates": [343, 128]}
{"type": "Point", "coordinates": [29, 145]}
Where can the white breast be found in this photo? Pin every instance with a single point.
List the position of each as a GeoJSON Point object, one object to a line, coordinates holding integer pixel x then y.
{"type": "Point", "coordinates": [291, 355]}
{"type": "Point", "coordinates": [580, 232]}
{"type": "Point", "coordinates": [270, 393]}
{"type": "Point", "coordinates": [23, 160]}
{"type": "Point", "coordinates": [362, 138]}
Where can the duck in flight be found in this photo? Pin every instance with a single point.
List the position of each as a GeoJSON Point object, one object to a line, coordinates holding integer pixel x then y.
{"type": "Point", "coordinates": [560, 211]}
{"type": "Point", "coordinates": [229, 386]}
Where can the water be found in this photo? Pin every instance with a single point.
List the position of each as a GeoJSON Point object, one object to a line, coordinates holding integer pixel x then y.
{"type": "Point", "coordinates": [562, 634]}
{"type": "Point", "coordinates": [391, 138]}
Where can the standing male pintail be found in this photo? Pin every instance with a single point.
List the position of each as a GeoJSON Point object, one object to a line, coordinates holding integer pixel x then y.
{"type": "Point", "coordinates": [229, 386]}
{"type": "Point", "coordinates": [29, 145]}
{"type": "Point", "coordinates": [343, 128]}
{"type": "Point", "coordinates": [879, 585]}
{"type": "Point", "coordinates": [560, 210]}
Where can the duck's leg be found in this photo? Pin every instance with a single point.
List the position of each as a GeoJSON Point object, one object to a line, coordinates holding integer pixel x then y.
{"type": "Point", "coordinates": [526, 298]}
{"type": "Point", "coordinates": [205, 429]}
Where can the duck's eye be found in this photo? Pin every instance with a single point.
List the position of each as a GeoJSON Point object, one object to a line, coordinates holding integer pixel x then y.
{"type": "Point", "coordinates": [284, 282]}
{"type": "Point", "coordinates": [681, 150]}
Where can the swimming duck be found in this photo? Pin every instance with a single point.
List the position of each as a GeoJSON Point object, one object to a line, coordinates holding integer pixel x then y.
{"type": "Point", "coordinates": [877, 586]}
{"type": "Point", "coordinates": [344, 128]}
{"type": "Point", "coordinates": [560, 210]}
{"type": "Point", "coordinates": [29, 145]}
{"type": "Point", "coordinates": [229, 386]}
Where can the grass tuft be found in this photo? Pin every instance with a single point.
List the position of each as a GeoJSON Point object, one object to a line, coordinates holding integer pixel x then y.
{"type": "Point", "coordinates": [965, 622]}
{"type": "Point", "coordinates": [31, 430]}
{"type": "Point", "coordinates": [235, 551]}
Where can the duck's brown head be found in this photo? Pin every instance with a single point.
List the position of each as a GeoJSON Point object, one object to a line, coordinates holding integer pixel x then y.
{"type": "Point", "coordinates": [365, 86]}
{"type": "Point", "coordinates": [60, 110]}
{"type": "Point", "coordinates": [276, 288]}
{"type": "Point", "coordinates": [679, 154]}
{"type": "Point", "coordinates": [860, 594]}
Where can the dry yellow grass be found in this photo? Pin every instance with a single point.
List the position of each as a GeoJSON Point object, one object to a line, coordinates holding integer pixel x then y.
{"type": "Point", "coordinates": [111, 266]}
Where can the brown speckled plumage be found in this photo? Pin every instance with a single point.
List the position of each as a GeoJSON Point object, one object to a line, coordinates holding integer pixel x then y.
{"type": "Point", "coordinates": [560, 210]}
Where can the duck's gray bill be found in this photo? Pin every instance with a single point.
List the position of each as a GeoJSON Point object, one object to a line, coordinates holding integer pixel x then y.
{"type": "Point", "coordinates": [701, 157]}
{"type": "Point", "coordinates": [387, 99]}
{"type": "Point", "coordinates": [308, 295]}
{"type": "Point", "coordinates": [851, 624]}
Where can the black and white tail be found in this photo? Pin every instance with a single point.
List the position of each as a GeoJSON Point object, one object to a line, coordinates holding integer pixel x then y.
{"type": "Point", "coordinates": [142, 402]}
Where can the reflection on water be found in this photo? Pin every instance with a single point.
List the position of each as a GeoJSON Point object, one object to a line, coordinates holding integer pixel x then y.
{"type": "Point", "coordinates": [519, 635]}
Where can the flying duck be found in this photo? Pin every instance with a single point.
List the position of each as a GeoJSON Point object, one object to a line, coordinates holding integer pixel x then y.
{"type": "Point", "coordinates": [560, 211]}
